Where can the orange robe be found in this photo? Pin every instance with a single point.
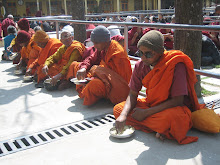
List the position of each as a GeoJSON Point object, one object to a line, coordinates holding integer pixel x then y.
{"type": "Point", "coordinates": [175, 122]}
{"type": "Point", "coordinates": [116, 59]}
{"type": "Point", "coordinates": [56, 68]}
{"type": "Point", "coordinates": [51, 47]}
{"type": "Point", "coordinates": [30, 53]}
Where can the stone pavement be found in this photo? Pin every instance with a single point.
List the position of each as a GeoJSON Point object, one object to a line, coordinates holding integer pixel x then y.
{"type": "Point", "coordinates": [25, 110]}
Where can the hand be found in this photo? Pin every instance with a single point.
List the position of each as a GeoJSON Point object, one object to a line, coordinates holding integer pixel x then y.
{"type": "Point", "coordinates": [28, 72]}
{"type": "Point", "coordinates": [135, 35]}
{"type": "Point", "coordinates": [55, 79]}
{"type": "Point", "coordinates": [45, 69]}
{"type": "Point", "coordinates": [120, 123]}
{"type": "Point", "coordinates": [140, 114]}
{"type": "Point", "coordinates": [81, 74]}
{"type": "Point", "coordinates": [18, 66]}
{"type": "Point", "coordinates": [9, 48]}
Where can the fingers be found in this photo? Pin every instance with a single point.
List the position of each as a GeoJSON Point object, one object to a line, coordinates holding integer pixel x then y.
{"type": "Point", "coordinates": [45, 70]}
{"type": "Point", "coordinates": [80, 75]}
{"type": "Point", "coordinates": [53, 81]}
{"type": "Point", "coordinates": [119, 126]}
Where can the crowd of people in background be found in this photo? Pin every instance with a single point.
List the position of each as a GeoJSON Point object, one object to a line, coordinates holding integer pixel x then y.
{"type": "Point", "coordinates": [210, 40]}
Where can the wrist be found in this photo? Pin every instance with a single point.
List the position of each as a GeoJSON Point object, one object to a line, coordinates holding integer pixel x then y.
{"type": "Point", "coordinates": [124, 114]}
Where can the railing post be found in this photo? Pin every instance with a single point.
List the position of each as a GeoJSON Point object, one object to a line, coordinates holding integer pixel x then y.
{"type": "Point", "coordinates": [126, 37]}
{"type": "Point", "coordinates": [57, 29]}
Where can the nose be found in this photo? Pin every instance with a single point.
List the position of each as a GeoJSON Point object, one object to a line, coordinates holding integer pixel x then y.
{"type": "Point", "coordinates": [143, 58]}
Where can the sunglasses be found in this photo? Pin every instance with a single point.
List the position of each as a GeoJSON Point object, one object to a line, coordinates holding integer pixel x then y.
{"type": "Point", "coordinates": [146, 54]}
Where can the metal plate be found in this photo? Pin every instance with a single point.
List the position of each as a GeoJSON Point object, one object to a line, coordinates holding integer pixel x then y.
{"type": "Point", "coordinates": [79, 82]}
{"type": "Point", "coordinates": [124, 134]}
{"type": "Point", "coordinates": [28, 78]}
{"type": "Point", "coordinates": [18, 72]}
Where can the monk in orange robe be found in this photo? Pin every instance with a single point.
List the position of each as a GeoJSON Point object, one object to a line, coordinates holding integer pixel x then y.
{"type": "Point", "coordinates": [57, 65]}
{"type": "Point", "coordinates": [48, 47]}
{"type": "Point", "coordinates": [30, 50]}
{"type": "Point", "coordinates": [109, 67]}
{"type": "Point", "coordinates": [169, 79]}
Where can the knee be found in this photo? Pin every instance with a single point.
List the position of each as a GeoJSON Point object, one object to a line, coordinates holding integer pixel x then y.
{"type": "Point", "coordinates": [95, 84]}
{"type": "Point", "coordinates": [118, 109]}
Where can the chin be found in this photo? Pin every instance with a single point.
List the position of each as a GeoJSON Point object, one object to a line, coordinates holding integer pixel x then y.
{"type": "Point", "coordinates": [146, 63]}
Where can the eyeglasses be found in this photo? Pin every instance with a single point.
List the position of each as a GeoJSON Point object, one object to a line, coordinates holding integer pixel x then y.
{"type": "Point", "coordinates": [146, 54]}
{"type": "Point", "coordinates": [65, 37]}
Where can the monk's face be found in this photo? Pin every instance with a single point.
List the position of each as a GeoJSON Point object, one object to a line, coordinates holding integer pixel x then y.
{"type": "Point", "coordinates": [24, 44]}
{"type": "Point", "coordinates": [101, 46]}
{"type": "Point", "coordinates": [66, 39]}
{"type": "Point", "coordinates": [149, 57]}
{"type": "Point", "coordinates": [41, 44]}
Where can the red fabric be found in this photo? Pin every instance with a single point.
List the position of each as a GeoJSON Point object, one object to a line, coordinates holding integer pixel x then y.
{"type": "Point", "coordinates": [88, 52]}
{"type": "Point", "coordinates": [23, 37]}
{"type": "Point", "coordinates": [133, 47]}
{"type": "Point", "coordinates": [206, 33]}
{"type": "Point", "coordinates": [89, 26]}
{"type": "Point", "coordinates": [23, 24]}
{"type": "Point", "coordinates": [93, 59]}
{"type": "Point", "coordinates": [131, 34]}
{"type": "Point", "coordinates": [5, 23]}
{"type": "Point", "coordinates": [118, 38]}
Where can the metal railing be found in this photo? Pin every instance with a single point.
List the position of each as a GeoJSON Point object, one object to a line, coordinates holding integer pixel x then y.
{"type": "Point", "coordinates": [214, 28]}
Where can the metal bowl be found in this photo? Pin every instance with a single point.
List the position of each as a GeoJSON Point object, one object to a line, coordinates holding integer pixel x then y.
{"type": "Point", "coordinates": [18, 72]}
{"type": "Point", "coordinates": [48, 86]}
{"type": "Point", "coordinates": [28, 78]}
{"type": "Point", "coordinates": [128, 132]}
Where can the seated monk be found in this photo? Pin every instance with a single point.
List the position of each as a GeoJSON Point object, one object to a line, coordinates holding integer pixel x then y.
{"type": "Point", "coordinates": [169, 79]}
{"type": "Point", "coordinates": [23, 24]}
{"type": "Point", "coordinates": [29, 52]}
{"type": "Point", "coordinates": [48, 47]}
{"type": "Point", "coordinates": [57, 65]}
{"type": "Point", "coordinates": [109, 67]}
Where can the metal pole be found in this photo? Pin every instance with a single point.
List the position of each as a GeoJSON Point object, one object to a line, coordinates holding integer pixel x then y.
{"type": "Point", "coordinates": [86, 7]}
{"type": "Point", "coordinates": [49, 7]}
{"type": "Point", "coordinates": [159, 6]}
{"type": "Point", "coordinates": [147, 5]}
{"type": "Point", "coordinates": [38, 8]}
{"type": "Point", "coordinates": [126, 38]}
{"type": "Point", "coordinates": [118, 6]}
{"type": "Point", "coordinates": [214, 28]}
{"type": "Point", "coordinates": [57, 29]}
{"type": "Point", "coordinates": [65, 7]}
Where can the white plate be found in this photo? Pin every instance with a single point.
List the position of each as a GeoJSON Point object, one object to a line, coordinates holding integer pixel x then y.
{"type": "Point", "coordinates": [128, 132]}
{"type": "Point", "coordinates": [47, 81]}
{"type": "Point", "coordinates": [18, 72]}
{"type": "Point", "coordinates": [78, 82]}
{"type": "Point", "coordinates": [28, 78]}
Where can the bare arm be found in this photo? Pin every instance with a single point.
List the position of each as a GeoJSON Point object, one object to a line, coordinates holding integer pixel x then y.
{"type": "Point", "coordinates": [130, 104]}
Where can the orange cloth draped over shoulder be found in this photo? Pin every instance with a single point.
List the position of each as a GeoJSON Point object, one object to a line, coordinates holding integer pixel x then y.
{"type": "Point", "coordinates": [30, 53]}
{"type": "Point", "coordinates": [57, 67]}
{"type": "Point", "coordinates": [175, 122]}
{"type": "Point", "coordinates": [116, 60]}
{"type": "Point", "coordinates": [52, 45]}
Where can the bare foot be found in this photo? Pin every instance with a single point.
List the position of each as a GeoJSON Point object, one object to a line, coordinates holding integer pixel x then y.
{"type": "Point", "coordinates": [159, 136]}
